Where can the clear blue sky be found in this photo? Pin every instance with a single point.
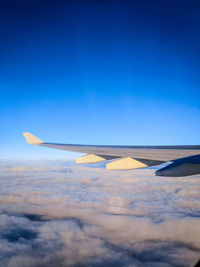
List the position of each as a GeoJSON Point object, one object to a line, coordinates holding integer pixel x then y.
{"type": "Point", "coordinates": [98, 72]}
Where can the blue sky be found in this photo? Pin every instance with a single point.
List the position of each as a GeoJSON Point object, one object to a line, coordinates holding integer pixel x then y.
{"type": "Point", "coordinates": [98, 72]}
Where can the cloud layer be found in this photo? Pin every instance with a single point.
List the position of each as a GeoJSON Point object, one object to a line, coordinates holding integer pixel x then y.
{"type": "Point", "coordinates": [58, 214]}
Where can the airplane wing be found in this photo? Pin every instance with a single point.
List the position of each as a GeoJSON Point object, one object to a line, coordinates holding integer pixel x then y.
{"type": "Point", "coordinates": [185, 159]}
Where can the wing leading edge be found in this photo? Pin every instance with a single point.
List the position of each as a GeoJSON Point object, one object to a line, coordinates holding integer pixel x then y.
{"type": "Point", "coordinates": [185, 159]}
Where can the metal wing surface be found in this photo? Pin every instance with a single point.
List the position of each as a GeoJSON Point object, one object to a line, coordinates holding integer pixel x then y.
{"type": "Point", "coordinates": [185, 159]}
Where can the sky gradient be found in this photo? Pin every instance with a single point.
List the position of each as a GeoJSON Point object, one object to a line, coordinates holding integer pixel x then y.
{"type": "Point", "coordinates": [98, 72]}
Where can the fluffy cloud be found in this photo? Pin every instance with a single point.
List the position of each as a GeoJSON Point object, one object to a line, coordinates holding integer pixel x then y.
{"type": "Point", "coordinates": [54, 214]}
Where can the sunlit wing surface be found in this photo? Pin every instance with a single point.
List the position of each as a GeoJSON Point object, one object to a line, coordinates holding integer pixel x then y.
{"type": "Point", "coordinates": [185, 159]}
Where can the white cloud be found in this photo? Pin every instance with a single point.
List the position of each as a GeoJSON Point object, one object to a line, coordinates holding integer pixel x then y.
{"type": "Point", "coordinates": [52, 215]}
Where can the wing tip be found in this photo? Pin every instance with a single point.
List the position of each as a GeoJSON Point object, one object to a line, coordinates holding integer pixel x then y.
{"type": "Point", "coordinates": [32, 139]}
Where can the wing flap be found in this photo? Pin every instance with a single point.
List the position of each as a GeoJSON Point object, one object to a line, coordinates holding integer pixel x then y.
{"type": "Point", "coordinates": [181, 167]}
{"type": "Point", "coordinates": [177, 170]}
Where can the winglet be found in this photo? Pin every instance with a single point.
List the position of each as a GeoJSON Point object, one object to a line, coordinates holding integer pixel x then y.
{"type": "Point", "coordinates": [31, 139]}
